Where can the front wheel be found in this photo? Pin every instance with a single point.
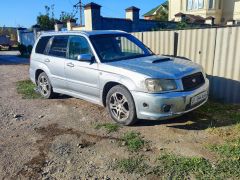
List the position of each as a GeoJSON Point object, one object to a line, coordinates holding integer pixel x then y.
{"type": "Point", "coordinates": [120, 105]}
{"type": "Point", "coordinates": [44, 86]}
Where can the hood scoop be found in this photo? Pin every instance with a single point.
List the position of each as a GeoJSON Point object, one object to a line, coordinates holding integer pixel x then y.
{"type": "Point", "coordinates": [161, 60]}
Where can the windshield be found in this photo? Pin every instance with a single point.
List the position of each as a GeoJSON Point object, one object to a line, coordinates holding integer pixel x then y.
{"type": "Point", "coordinates": [115, 47]}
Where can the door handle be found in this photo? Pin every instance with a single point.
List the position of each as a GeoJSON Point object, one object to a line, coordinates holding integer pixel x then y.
{"type": "Point", "coordinates": [46, 60]}
{"type": "Point", "coordinates": [70, 64]}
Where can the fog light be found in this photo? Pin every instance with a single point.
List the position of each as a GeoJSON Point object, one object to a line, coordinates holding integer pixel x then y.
{"type": "Point", "coordinates": [145, 105]}
{"type": "Point", "coordinates": [166, 108]}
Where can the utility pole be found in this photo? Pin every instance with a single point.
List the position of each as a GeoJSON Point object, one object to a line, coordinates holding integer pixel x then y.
{"type": "Point", "coordinates": [80, 6]}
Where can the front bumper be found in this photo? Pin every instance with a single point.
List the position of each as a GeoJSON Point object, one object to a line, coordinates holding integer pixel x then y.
{"type": "Point", "coordinates": [149, 106]}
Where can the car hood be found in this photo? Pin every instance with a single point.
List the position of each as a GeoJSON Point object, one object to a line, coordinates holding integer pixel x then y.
{"type": "Point", "coordinates": [158, 66]}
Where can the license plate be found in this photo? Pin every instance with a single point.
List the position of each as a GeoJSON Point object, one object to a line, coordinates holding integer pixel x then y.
{"type": "Point", "coordinates": [199, 98]}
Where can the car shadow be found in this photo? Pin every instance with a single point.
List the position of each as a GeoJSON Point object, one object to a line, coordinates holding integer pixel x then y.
{"type": "Point", "coordinates": [62, 97]}
{"type": "Point", "coordinates": [190, 121]}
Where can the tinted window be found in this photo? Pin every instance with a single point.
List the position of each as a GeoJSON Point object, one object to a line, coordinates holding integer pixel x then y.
{"type": "Point", "coordinates": [59, 46]}
{"type": "Point", "coordinates": [78, 45]}
{"type": "Point", "coordinates": [42, 43]}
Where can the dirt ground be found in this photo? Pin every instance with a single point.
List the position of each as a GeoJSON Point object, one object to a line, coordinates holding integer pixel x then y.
{"type": "Point", "coordinates": [56, 139]}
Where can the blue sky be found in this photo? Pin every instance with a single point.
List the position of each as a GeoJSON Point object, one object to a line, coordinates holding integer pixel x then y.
{"type": "Point", "coordinates": [24, 12]}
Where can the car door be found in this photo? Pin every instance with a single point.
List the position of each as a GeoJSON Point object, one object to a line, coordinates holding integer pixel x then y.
{"type": "Point", "coordinates": [55, 61]}
{"type": "Point", "coordinates": [82, 77]}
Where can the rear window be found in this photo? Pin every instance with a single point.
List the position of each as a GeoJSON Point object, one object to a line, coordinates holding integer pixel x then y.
{"type": "Point", "coordinates": [59, 46]}
{"type": "Point", "coordinates": [42, 43]}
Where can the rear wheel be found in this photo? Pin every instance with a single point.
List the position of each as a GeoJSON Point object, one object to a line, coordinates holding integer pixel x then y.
{"type": "Point", "coordinates": [121, 106]}
{"type": "Point", "coordinates": [44, 86]}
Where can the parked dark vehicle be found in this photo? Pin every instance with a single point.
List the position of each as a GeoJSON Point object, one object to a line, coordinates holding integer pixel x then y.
{"type": "Point", "coordinates": [5, 42]}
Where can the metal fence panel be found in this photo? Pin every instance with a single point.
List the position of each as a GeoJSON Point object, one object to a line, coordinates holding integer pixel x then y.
{"type": "Point", "coordinates": [226, 72]}
{"type": "Point", "coordinates": [198, 45]}
{"type": "Point", "coordinates": [138, 35]}
{"type": "Point", "coordinates": [160, 42]}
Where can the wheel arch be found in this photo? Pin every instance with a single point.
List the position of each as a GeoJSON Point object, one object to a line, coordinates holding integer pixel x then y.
{"type": "Point", "coordinates": [109, 85]}
{"type": "Point", "coordinates": [37, 73]}
{"type": "Point", "coordinates": [41, 68]}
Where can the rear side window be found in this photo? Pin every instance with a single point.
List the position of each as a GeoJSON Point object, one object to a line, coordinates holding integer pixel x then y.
{"type": "Point", "coordinates": [59, 46]}
{"type": "Point", "coordinates": [42, 43]}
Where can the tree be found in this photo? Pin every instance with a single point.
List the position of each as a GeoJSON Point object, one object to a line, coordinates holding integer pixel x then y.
{"type": "Point", "coordinates": [64, 16]}
{"type": "Point", "coordinates": [46, 21]}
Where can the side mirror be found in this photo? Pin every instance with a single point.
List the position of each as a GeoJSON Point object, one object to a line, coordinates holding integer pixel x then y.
{"type": "Point", "coordinates": [85, 57]}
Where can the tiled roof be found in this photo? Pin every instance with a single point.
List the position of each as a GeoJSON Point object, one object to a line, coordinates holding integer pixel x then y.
{"type": "Point", "coordinates": [210, 17]}
{"type": "Point", "coordinates": [191, 18]}
{"type": "Point", "coordinates": [151, 12]}
{"type": "Point", "coordinates": [179, 14]}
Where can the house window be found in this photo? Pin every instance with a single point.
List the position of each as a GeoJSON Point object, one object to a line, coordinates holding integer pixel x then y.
{"type": "Point", "coordinates": [195, 4]}
{"type": "Point", "coordinates": [200, 4]}
{"type": "Point", "coordinates": [189, 4]}
{"type": "Point", "coordinates": [210, 4]}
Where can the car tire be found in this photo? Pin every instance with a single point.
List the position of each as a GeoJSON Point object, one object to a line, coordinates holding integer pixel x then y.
{"type": "Point", "coordinates": [44, 86]}
{"type": "Point", "coordinates": [121, 106]}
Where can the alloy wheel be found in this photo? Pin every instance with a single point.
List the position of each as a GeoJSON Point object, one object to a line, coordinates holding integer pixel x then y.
{"type": "Point", "coordinates": [44, 87]}
{"type": "Point", "coordinates": [119, 106]}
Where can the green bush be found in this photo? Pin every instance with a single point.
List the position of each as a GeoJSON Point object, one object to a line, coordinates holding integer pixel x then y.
{"type": "Point", "coordinates": [26, 89]}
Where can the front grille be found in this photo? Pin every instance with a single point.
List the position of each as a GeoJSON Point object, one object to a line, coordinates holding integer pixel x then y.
{"type": "Point", "coordinates": [193, 81]}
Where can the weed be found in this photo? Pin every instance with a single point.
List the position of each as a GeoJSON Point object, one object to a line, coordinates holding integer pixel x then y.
{"type": "Point", "coordinates": [229, 163]}
{"type": "Point", "coordinates": [133, 141]}
{"type": "Point", "coordinates": [109, 127]}
{"type": "Point", "coordinates": [26, 89]}
{"type": "Point", "coordinates": [176, 167]}
{"type": "Point", "coordinates": [227, 169]}
{"type": "Point", "coordinates": [171, 166]}
{"type": "Point", "coordinates": [229, 150]}
{"type": "Point", "coordinates": [132, 165]}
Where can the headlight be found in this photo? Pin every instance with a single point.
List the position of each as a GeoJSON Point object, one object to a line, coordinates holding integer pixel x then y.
{"type": "Point", "coordinates": [159, 85]}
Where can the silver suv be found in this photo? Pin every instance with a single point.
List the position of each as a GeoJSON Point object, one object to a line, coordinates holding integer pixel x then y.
{"type": "Point", "coordinates": [116, 70]}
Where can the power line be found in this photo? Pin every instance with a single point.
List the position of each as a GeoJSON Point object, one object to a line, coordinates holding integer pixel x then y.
{"type": "Point", "coordinates": [80, 5]}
